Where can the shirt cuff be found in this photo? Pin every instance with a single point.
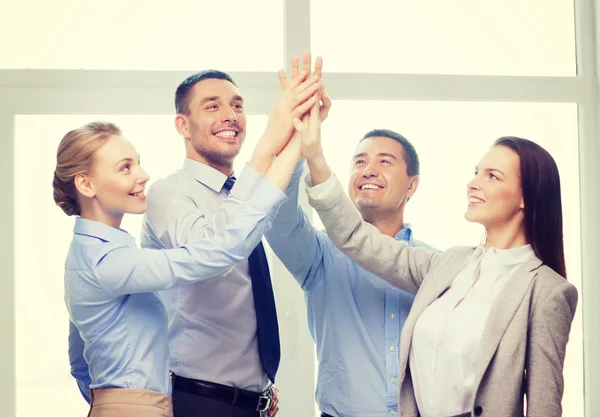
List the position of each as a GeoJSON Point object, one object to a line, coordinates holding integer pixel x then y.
{"type": "Point", "coordinates": [246, 183]}
{"type": "Point", "coordinates": [324, 195]}
{"type": "Point", "coordinates": [267, 197]}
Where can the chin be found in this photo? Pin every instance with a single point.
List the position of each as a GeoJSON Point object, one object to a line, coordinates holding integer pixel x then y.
{"type": "Point", "coordinates": [471, 217]}
{"type": "Point", "coordinates": [137, 210]}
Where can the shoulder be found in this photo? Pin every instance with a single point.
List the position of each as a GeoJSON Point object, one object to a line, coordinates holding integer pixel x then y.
{"type": "Point", "coordinates": [169, 189]}
{"type": "Point", "coordinates": [171, 184]}
{"type": "Point", "coordinates": [549, 285]}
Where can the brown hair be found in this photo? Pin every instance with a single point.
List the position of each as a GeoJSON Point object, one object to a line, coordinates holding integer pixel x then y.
{"type": "Point", "coordinates": [543, 206]}
{"type": "Point", "coordinates": [74, 157]}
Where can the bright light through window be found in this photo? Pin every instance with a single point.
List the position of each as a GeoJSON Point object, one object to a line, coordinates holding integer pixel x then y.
{"type": "Point", "coordinates": [144, 35]}
{"type": "Point", "coordinates": [509, 37]}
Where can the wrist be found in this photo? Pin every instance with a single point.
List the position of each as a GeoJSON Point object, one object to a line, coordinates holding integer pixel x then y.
{"type": "Point", "coordinates": [319, 170]}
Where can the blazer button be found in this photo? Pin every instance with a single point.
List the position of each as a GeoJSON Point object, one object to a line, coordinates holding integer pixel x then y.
{"type": "Point", "coordinates": [478, 410]}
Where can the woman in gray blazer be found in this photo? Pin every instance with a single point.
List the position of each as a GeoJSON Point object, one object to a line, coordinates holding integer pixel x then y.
{"type": "Point", "coordinates": [489, 326]}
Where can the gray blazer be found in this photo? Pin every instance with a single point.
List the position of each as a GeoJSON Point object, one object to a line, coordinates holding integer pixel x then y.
{"type": "Point", "coordinates": [525, 337]}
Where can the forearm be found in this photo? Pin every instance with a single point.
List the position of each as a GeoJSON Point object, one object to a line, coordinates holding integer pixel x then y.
{"type": "Point", "coordinates": [125, 270]}
{"type": "Point", "coordinates": [382, 255]}
{"type": "Point", "coordinates": [319, 170]}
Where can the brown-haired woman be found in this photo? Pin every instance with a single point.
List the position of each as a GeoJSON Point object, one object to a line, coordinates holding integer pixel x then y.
{"type": "Point", "coordinates": [489, 325]}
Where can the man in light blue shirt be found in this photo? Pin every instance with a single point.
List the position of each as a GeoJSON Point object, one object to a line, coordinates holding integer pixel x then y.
{"type": "Point", "coordinates": [354, 317]}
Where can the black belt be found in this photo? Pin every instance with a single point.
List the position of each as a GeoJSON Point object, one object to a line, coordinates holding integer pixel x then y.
{"type": "Point", "coordinates": [231, 395]}
{"type": "Point", "coordinates": [326, 415]}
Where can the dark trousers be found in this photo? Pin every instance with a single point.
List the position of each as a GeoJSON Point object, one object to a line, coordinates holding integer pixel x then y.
{"type": "Point", "coordinates": [192, 405]}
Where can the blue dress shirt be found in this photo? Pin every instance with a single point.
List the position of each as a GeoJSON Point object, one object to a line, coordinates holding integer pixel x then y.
{"type": "Point", "coordinates": [118, 325]}
{"type": "Point", "coordinates": [354, 317]}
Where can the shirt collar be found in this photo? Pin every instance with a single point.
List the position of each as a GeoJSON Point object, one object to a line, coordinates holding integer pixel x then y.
{"type": "Point", "coordinates": [512, 256]}
{"type": "Point", "coordinates": [205, 174]}
{"type": "Point", "coordinates": [405, 234]}
{"type": "Point", "coordinates": [102, 231]}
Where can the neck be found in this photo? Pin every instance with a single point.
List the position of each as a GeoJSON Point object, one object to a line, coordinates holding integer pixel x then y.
{"type": "Point", "coordinates": [505, 237]}
{"type": "Point", "coordinates": [93, 212]}
{"type": "Point", "coordinates": [224, 167]}
{"type": "Point", "coordinates": [387, 224]}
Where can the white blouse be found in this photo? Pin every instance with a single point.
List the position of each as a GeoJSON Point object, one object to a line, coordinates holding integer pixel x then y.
{"type": "Point", "coordinates": [446, 337]}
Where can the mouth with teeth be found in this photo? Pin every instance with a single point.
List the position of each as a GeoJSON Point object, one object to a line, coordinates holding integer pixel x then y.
{"type": "Point", "coordinates": [370, 187]}
{"type": "Point", "coordinates": [475, 201]}
{"type": "Point", "coordinates": [227, 135]}
{"type": "Point", "coordinates": [139, 194]}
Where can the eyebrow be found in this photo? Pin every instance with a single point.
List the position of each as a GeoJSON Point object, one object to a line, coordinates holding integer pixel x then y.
{"type": "Point", "coordinates": [123, 160]}
{"type": "Point", "coordinates": [126, 160]}
{"type": "Point", "coordinates": [491, 170]}
{"type": "Point", "coordinates": [384, 154]}
{"type": "Point", "coordinates": [217, 98]}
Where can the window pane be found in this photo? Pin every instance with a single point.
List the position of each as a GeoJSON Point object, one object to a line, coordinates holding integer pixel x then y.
{"type": "Point", "coordinates": [450, 139]}
{"type": "Point", "coordinates": [508, 37]}
{"type": "Point", "coordinates": [42, 238]}
{"type": "Point", "coordinates": [143, 34]}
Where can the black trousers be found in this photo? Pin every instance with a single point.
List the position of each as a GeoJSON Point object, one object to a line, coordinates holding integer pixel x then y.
{"type": "Point", "coordinates": [192, 405]}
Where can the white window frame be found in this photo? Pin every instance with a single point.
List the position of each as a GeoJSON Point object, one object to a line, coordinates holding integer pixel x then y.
{"type": "Point", "coordinates": [151, 92]}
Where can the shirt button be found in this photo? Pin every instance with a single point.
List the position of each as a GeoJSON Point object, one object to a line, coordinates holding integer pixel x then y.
{"type": "Point", "coordinates": [392, 316]}
{"type": "Point", "coordinates": [392, 349]}
{"type": "Point", "coordinates": [392, 412]}
{"type": "Point", "coordinates": [393, 380]}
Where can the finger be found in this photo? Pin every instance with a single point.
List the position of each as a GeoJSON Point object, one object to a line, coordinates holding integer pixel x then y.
{"type": "Point", "coordinates": [283, 81]}
{"type": "Point", "coordinates": [318, 71]}
{"type": "Point", "coordinates": [304, 107]}
{"type": "Point", "coordinates": [325, 107]}
{"type": "Point", "coordinates": [306, 61]}
{"type": "Point", "coordinates": [304, 95]}
{"type": "Point", "coordinates": [296, 81]}
{"type": "Point", "coordinates": [325, 99]}
{"type": "Point", "coordinates": [298, 125]}
{"type": "Point", "coordinates": [315, 108]}
{"type": "Point", "coordinates": [295, 66]}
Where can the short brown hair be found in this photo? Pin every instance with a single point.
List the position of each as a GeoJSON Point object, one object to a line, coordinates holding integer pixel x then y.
{"type": "Point", "coordinates": [74, 157]}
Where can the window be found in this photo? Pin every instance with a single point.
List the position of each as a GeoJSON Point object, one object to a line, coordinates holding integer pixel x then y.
{"type": "Point", "coordinates": [510, 37]}
{"type": "Point", "coordinates": [149, 35]}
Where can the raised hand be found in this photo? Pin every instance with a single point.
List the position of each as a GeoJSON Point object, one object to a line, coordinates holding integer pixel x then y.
{"type": "Point", "coordinates": [309, 130]}
{"type": "Point", "coordinates": [325, 103]}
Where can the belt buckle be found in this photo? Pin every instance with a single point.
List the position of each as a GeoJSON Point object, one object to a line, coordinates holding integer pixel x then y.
{"type": "Point", "coordinates": [264, 403]}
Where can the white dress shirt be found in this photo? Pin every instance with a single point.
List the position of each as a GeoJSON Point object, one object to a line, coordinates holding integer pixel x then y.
{"type": "Point", "coordinates": [212, 324]}
{"type": "Point", "coordinates": [446, 337]}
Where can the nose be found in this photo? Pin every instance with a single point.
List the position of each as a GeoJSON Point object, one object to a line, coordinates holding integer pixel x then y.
{"type": "Point", "coordinates": [370, 171]}
{"type": "Point", "coordinates": [228, 114]}
{"type": "Point", "coordinates": [144, 177]}
{"type": "Point", "coordinates": [473, 184]}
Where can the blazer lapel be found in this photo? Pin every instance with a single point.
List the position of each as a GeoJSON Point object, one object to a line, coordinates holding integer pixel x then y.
{"type": "Point", "coordinates": [502, 312]}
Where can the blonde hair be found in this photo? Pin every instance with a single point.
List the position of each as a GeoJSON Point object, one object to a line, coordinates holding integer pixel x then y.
{"type": "Point", "coordinates": [75, 156]}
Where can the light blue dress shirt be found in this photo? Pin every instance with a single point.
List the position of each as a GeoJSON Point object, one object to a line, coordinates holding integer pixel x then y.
{"type": "Point", "coordinates": [212, 324]}
{"type": "Point", "coordinates": [118, 325]}
{"type": "Point", "coordinates": [354, 317]}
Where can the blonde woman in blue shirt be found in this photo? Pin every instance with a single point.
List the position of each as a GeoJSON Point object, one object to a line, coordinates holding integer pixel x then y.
{"type": "Point", "coordinates": [109, 283]}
